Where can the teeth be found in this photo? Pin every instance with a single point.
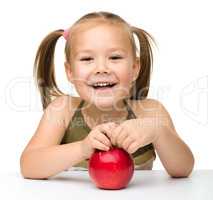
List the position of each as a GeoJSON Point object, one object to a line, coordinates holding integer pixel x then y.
{"type": "Point", "coordinates": [102, 84]}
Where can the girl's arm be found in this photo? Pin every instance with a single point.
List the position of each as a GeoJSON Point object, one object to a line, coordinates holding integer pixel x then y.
{"type": "Point", "coordinates": [174, 154]}
{"type": "Point", "coordinates": [44, 162]}
{"type": "Point", "coordinates": [44, 157]}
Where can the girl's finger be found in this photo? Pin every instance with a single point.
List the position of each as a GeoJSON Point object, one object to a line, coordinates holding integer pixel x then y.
{"type": "Point", "coordinates": [115, 134]}
{"type": "Point", "coordinates": [101, 137]}
{"type": "Point", "coordinates": [132, 147]}
{"type": "Point", "coordinates": [99, 145]}
{"type": "Point", "coordinates": [108, 128]}
{"type": "Point", "coordinates": [126, 143]}
{"type": "Point", "coordinates": [121, 137]}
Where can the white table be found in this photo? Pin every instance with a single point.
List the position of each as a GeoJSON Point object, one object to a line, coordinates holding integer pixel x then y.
{"type": "Point", "coordinates": [70, 185]}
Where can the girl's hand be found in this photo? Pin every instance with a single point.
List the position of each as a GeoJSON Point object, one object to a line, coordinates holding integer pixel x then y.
{"type": "Point", "coordinates": [97, 138]}
{"type": "Point", "coordinates": [134, 133]}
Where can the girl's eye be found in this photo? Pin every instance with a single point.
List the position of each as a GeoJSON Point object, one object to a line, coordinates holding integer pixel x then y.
{"type": "Point", "coordinates": [115, 57]}
{"type": "Point", "coordinates": [86, 59]}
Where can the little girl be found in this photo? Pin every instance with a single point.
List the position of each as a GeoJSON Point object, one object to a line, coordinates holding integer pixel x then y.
{"type": "Point", "coordinates": [112, 80]}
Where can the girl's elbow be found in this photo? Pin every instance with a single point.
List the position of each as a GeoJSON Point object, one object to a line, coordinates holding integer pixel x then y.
{"type": "Point", "coordinates": [182, 173]}
{"type": "Point", "coordinates": [27, 174]}
{"type": "Point", "coordinates": [23, 167]}
{"type": "Point", "coordinates": [27, 171]}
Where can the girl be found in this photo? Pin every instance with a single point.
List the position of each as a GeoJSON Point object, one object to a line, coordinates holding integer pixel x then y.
{"type": "Point", "coordinates": [112, 82]}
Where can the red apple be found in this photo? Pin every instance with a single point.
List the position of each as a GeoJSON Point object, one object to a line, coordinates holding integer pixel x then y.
{"type": "Point", "coordinates": [111, 169]}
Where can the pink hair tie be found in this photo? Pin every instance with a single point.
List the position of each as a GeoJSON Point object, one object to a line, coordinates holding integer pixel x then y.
{"type": "Point", "coordinates": [66, 34]}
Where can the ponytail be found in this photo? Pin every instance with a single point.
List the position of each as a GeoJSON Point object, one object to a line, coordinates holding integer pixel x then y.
{"type": "Point", "coordinates": [141, 87]}
{"type": "Point", "coordinates": [44, 69]}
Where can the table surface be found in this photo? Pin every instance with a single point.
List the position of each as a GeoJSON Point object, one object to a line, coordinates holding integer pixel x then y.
{"type": "Point", "coordinates": [155, 184]}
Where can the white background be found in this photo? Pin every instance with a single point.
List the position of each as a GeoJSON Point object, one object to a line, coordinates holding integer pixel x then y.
{"type": "Point", "coordinates": [181, 78]}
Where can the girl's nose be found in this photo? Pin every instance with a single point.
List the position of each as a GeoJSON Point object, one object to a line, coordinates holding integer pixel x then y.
{"type": "Point", "coordinates": [101, 67]}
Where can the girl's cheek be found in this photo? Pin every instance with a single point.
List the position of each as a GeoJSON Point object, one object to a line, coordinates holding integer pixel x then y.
{"type": "Point", "coordinates": [125, 74]}
{"type": "Point", "coordinates": [81, 73]}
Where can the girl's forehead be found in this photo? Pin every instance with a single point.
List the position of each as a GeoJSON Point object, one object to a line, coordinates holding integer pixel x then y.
{"type": "Point", "coordinates": [94, 32]}
{"type": "Point", "coordinates": [90, 24]}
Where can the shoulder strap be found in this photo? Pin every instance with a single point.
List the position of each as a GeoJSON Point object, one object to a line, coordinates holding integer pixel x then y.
{"type": "Point", "coordinates": [77, 111]}
{"type": "Point", "coordinates": [80, 105]}
{"type": "Point", "coordinates": [79, 114]}
{"type": "Point", "coordinates": [131, 114]}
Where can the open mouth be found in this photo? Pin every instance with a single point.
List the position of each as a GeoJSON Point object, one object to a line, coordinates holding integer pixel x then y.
{"type": "Point", "coordinates": [103, 85]}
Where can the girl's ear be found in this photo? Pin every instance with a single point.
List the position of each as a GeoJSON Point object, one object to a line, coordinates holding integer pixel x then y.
{"type": "Point", "coordinates": [68, 72]}
{"type": "Point", "coordinates": [136, 69]}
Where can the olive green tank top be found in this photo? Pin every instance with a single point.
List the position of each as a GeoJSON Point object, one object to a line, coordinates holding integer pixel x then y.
{"type": "Point", "coordinates": [78, 129]}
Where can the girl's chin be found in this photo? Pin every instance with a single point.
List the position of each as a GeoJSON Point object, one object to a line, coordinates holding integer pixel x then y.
{"type": "Point", "coordinates": [104, 102]}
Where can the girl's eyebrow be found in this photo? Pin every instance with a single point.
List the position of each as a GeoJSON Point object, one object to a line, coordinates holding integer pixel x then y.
{"type": "Point", "coordinates": [83, 51]}
{"type": "Point", "coordinates": [118, 49]}
{"type": "Point", "coordinates": [108, 50]}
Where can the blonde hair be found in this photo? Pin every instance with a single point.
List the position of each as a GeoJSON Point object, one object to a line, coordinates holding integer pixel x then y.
{"type": "Point", "coordinates": [44, 69]}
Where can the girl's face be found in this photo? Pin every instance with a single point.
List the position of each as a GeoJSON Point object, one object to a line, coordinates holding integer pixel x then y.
{"type": "Point", "coordinates": [102, 66]}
